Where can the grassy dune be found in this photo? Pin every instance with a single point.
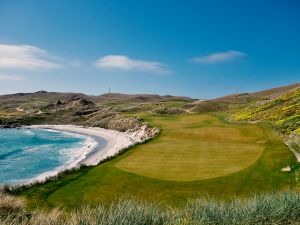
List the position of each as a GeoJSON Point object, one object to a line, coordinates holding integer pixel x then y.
{"type": "Point", "coordinates": [186, 170]}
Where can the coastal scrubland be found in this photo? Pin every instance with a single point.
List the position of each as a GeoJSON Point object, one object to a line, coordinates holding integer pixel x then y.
{"type": "Point", "coordinates": [283, 111]}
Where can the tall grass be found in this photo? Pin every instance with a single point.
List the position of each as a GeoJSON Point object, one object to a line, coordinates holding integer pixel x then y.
{"type": "Point", "coordinates": [279, 208]}
{"type": "Point", "coordinates": [273, 208]}
{"type": "Point", "coordinates": [10, 206]}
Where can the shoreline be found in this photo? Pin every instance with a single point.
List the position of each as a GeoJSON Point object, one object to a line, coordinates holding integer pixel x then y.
{"type": "Point", "coordinates": [107, 142]}
{"type": "Point", "coordinates": [100, 144]}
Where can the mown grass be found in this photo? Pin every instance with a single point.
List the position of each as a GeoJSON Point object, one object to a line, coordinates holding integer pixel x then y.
{"type": "Point", "coordinates": [196, 147]}
{"type": "Point", "coordinates": [109, 180]}
{"type": "Point", "coordinates": [279, 208]}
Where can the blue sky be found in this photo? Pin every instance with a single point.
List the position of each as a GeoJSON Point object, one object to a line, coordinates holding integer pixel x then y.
{"type": "Point", "coordinates": [201, 49]}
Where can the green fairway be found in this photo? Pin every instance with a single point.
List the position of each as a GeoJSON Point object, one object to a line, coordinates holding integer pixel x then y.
{"type": "Point", "coordinates": [185, 161]}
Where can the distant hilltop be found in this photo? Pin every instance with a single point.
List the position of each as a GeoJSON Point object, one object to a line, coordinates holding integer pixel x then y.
{"type": "Point", "coordinates": [222, 103]}
{"type": "Point", "coordinates": [107, 97]}
{"type": "Point", "coordinates": [119, 97]}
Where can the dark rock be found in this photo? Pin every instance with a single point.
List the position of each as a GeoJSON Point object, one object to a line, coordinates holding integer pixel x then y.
{"type": "Point", "coordinates": [75, 101]}
{"type": "Point", "coordinates": [59, 103]}
{"type": "Point", "coordinates": [85, 102]}
{"type": "Point", "coordinates": [7, 126]}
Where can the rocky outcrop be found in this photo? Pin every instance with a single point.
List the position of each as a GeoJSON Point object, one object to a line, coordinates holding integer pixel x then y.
{"type": "Point", "coordinates": [134, 126]}
{"type": "Point", "coordinates": [143, 133]}
{"type": "Point", "coordinates": [75, 102]}
{"type": "Point", "coordinates": [71, 103]}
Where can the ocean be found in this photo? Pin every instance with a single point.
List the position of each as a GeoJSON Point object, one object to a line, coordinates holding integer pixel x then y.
{"type": "Point", "coordinates": [31, 154]}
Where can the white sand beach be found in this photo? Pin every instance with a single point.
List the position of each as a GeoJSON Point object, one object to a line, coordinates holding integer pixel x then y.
{"type": "Point", "coordinates": [105, 143]}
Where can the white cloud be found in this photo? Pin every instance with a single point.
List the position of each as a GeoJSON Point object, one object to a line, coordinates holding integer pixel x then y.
{"type": "Point", "coordinates": [219, 57]}
{"type": "Point", "coordinates": [25, 57]}
{"type": "Point", "coordinates": [10, 77]}
{"type": "Point", "coordinates": [76, 62]}
{"type": "Point", "coordinates": [121, 62]}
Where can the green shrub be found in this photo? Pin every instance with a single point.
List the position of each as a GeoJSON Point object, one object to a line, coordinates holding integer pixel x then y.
{"type": "Point", "coordinates": [165, 110]}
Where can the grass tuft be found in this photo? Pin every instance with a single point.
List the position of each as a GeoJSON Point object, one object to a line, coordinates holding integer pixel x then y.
{"type": "Point", "coordinates": [269, 208]}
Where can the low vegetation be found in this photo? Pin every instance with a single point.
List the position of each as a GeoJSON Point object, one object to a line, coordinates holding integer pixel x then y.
{"type": "Point", "coordinates": [165, 110]}
{"type": "Point", "coordinates": [282, 111]}
{"type": "Point", "coordinates": [276, 208]}
{"type": "Point", "coordinates": [207, 106]}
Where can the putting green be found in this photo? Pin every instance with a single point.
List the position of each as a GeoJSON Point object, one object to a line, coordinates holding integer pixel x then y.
{"type": "Point", "coordinates": [196, 147]}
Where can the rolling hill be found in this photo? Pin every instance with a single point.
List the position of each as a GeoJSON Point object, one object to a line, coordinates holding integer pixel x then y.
{"type": "Point", "coordinates": [282, 109]}
{"type": "Point", "coordinates": [107, 97]}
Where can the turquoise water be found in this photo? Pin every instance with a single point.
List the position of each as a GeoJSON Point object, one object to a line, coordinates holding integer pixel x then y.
{"type": "Point", "coordinates": [28, 153]}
